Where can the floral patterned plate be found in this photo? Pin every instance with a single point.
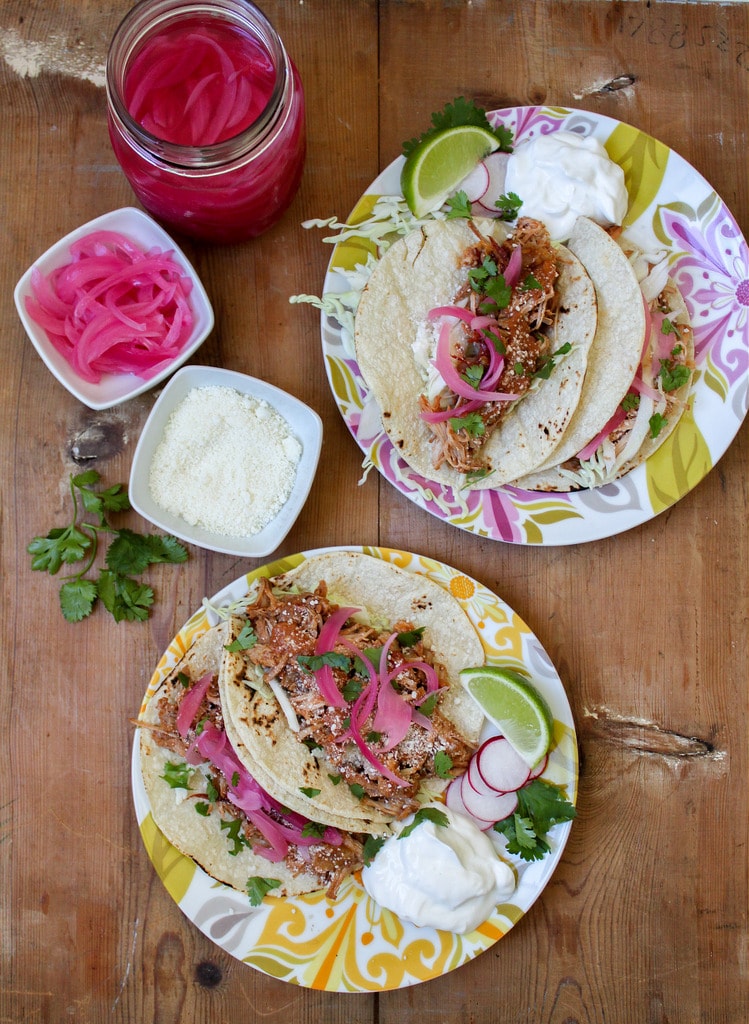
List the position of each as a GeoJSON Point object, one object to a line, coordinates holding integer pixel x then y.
{"type": "Point", "coordinates": [350, 944]}
{"type": "Point", "coordinates": [671, 208]}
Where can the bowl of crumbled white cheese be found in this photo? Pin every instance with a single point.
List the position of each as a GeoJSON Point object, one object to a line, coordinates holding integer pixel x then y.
{"type": "Point", "coordinates": [225, 461]}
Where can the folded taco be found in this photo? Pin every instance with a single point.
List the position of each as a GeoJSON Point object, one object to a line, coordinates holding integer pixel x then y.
{"type": "Point", "coordinates": [348, 703]}
{"type": "Point", "coordinates": [639, 372]}
{"type": "Point", "coordinates": [322, 712]}
{"type": "Point", "coordinates": [474, 343]}
{"type": "Point", "coordinates": [211, 808]}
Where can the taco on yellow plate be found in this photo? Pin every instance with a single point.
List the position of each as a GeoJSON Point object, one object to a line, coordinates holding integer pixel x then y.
{"type": "Point", "coordinates": [474, 343]}
{"type": "Point", "coordinates": [348, 702]}
{"type": "Point", "coordinates": [322, 712]}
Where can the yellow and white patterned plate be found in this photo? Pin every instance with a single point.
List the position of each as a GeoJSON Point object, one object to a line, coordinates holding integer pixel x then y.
{"type": "Point", "coordinates": [350, 944]}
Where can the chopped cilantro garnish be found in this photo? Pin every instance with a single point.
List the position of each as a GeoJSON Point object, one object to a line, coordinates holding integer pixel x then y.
{"type": "Point", "coordinates": [233, 835]}
{"type": "Point", "coordinates": [472, 423]}
{"type": "Point", "coordinates": [508, 206]}
{"type": "Point", "coordinates": [246, 639]}
{"type": "Point", "coordinates": [411, 637]}
{"type": "Point", "coordinates": [235, 779]}
{"type": "Point", "coordinates": [433, 814]}
{"type": "Point", "coordinates": [669, 327]}
{"type": "Point", "coordinates": [352, 689]}
{"type": "Point", "coordinates": [443, 764]}
{"type": "Point", "coordinates": [673, 376]}
{"type": "Point", "coordinates": [258, 887]}
{"type": "Point", "coordinates": [335, 779]}
{"type": "Point", "coordinates": [314, 662]}
{"type": "Point", "coordinates": [202, 808]}
{"type": "Point", "coordinates": [176, 775]}
{"type": "Point", "coordinates": [211, 791]}
{"type": "Point", "coordinates": [473, 375]}
{"type": "Point", "coordinates": [657, 423]}
{"type": "Point", "coordinates": [309, 791]}
{"type": "Point", "coordinates": [519, 370]}
{"type": "Point", "coordinates": [372, 846]}
{"type": "Point", "coordinates": [357, 789]}
{"type": "Point", "coordinates": [458, 206]}
{"type": "Point", "coordinates": [183, 679]}
{"type": "Point", "coordinates": [428, 705]}
{"type": "Point", "coordinates": [549, 362]}
{"type": "Point", "coordinates": [315, 829]}
{"type": "Point", "coordinates": [530, 283]}
{"type": "Point", "coordinates": [630, 401]}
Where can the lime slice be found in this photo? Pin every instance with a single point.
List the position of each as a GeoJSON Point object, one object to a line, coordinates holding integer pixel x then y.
{"type": "Point", "coordinates": [514, 705]}
{"type": "Point", "coordinates": [437, 166]}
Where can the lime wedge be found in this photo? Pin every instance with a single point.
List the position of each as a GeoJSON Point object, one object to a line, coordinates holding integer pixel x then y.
{"type": "Point", "coordinates": [514, 705]}
{"type": "Point", "coordinates": [437, 166]}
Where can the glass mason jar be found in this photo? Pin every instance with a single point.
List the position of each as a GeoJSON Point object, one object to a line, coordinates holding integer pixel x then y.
{"type": "Point", "coordinates": [206, 116]}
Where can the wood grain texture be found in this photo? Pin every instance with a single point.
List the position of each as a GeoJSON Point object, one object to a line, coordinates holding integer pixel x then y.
{"type": "Point", "coordinates": [645, 921]}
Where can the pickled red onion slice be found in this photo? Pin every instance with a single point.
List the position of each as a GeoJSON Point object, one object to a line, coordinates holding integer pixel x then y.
{"type": "Point", "coordinates": [446, 368]}
{"type": "Point", "coordinates": [114, 308]}
{"type": "Point", "coordinates": [325, 643]}
{"type": "Point", "coordinates": [514, 266]}
{"type": "Point", "coordinates": [190, 703]}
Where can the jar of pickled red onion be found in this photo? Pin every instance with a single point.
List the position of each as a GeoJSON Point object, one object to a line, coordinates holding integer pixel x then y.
{"type": "Point", "coordinates": [206, 116]}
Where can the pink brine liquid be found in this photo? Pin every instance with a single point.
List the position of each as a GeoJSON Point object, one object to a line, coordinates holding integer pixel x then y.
{"type": "Point", "coordinates": [199, 83]}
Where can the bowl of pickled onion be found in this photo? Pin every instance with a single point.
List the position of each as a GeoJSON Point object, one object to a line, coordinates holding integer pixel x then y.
{"type": "Point", "coordinates": [114, 308]}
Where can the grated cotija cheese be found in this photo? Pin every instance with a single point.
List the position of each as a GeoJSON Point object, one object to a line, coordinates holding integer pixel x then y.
{"type": "Point", "coordinates": [226, 462]}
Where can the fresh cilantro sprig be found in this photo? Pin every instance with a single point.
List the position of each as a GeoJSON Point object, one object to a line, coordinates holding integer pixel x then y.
{"type": "Point", "coordinates": [128, 555]}
{"type": "Point", "coordinates": [460, 112]}
{"type": "Point", "coordinates": [541, 805]}
{"type": "Point", "coordinates": [433, 814]}
{"type": "Point", "coordinates": [257, 887]}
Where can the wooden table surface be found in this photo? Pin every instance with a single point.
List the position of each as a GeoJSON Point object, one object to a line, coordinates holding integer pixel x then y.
{"type": "Point", "coordinates": [645, 919]}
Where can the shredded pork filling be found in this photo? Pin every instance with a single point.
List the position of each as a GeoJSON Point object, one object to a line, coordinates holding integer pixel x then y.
{"type": "Point", "coordinates": [521, 326]}
{"type": "Point", "coordinates": [330, 864]}
{"type": "Point", "coordinates": [287, 626]}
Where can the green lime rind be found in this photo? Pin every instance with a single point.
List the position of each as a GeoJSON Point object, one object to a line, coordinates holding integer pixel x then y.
{"type": "Point", "coordinates": [513, 704]}
{"type": "Point", "coordinates": [435, 168]}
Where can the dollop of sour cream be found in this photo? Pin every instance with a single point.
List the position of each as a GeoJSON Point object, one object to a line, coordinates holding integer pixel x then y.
{"type": "Point", "coordinates": [563, 176]}
{"type": "Point", "coordinates": [440, 877]}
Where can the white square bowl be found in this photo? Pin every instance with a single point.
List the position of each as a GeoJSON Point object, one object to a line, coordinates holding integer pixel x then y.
{"type": "Point", "coordinates": [304, 424]}
{"type": "Point", "coordinates": [113, 388]}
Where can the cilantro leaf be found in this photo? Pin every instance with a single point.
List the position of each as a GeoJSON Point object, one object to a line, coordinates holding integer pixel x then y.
{"type": "Point", "coordinates": [657, 423]}
{"type": "Point", "coordinates": [372, 846]}
{"type": "Point", "coordinates": [458, 206]}
{"type": "Point", "coordinates": [77, 599]}
{"type": "Point", "coordinates": [314, 829]}
{"type": "Point", "coordinates": [201, 807]}
{"type": "Point", "coordinates": [234, 836]}
{"type": "Point", "coordinates": [352, 689]}
{"type": "Point", "coordinates": [443, 764]}
{"type": "Point", "coordinates": [630, 401]}
{"type": "Point", "coordinates": [258, 887]}
{"type": "Point", "coordinates": [309, 791]}
{"type": "Point", "coordinates": [433, 814]}
{"type": "Point", "coordinates": [128, 553]}
{"type": "Point", "coordinates": [673, 376]}
{"type": "Point", "coordinates": [357, 789]}
{"type": "Point", "coordinates": [508, 205]}
{"type": "Point", "coordinates": [461, 111]}
{"type": "Point", "coordinates": [314, 662]}
{"type": "Point", "coordinates": [247, 638]}
{"type": "Point", "coordinates": [541, 805]}
{"type": "Point", "coordinates": [177, 776]}
{"type": "Point", "coordinates": [411, 637]}
{"type": "Point", "coordinates": [124, 597]}
{"type": "Point", "coordinates": [61, 546]}
{"type": "Point", "coordinates": [472, 423]}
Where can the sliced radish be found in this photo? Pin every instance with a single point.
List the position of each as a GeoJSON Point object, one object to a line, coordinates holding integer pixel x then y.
{"type": "Point", "coordinates": [475, 184]}
{"type": "Point", "coordinates": [485, 808]}
{"type": "Point", "coordinates": [477, 781]}
{"type": "Point", "coordinates": [539, 769]}
{"type": "Point", "coordinates": [500, 766]}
